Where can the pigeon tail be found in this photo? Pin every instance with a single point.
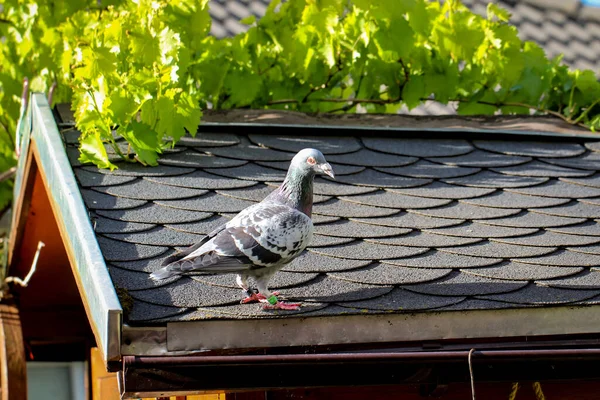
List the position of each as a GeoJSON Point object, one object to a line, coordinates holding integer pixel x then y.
{"type": "Point", "coordinates": [163, 273]}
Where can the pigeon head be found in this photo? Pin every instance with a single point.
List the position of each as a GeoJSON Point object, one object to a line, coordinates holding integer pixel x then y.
{"type": "Point", "coordinates": [311, 161]}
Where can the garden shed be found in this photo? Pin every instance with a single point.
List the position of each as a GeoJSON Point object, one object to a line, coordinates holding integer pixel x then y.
{"type": "Point", "coordinates": [447, 251]}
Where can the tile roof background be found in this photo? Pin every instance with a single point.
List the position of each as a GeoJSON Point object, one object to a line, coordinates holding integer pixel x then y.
{"type": "Point", "coordinates": [559, 26]}
{"type": "Point", "coordinates": [409, 225]}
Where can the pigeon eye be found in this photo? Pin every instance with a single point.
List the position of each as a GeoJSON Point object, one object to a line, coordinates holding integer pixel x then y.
{"type": "Point", "coordinates": [311, 161]}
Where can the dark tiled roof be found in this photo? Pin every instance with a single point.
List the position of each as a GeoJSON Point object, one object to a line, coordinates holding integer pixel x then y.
{"type": "Point", "coordinates": [559, 27]}
{"type": "Point", "coordinates": [411, 225]}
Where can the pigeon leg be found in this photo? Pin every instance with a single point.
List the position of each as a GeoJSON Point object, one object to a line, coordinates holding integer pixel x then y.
{"type": "Point", "coordinates": [251, 295]}
{"type": "Point", "coordinates": [270, 300]}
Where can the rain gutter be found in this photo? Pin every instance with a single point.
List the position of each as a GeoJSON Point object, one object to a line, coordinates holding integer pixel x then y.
{"type": "Point", "coordinates": [170, 376]}
{"type": "Point", "coordinates": [91, 274]}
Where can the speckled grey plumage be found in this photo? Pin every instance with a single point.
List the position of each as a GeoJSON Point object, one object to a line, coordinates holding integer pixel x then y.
{"type": "Point", "coordinates": [144, 312]}
{"type": "Point", "coordinates": [559, 189]}
{"type": "Point", "coordinates": [160, 236]}
{"type": "Point", "coordinates": [531, 148]}
{"type": "Point", "coordinates": [441, 190]}
{"type": "Point", "coordinates": [482, 159]}
{"type": "Point", "coordinates": [325, 241]}
{"type": "Point", "coordinates": [370, 158]}
{"type": "Point", "coordinates": [328, 289]}
{"type": "Point", "coordinates": [326, 144]}
{"type": "Point", "coordinates": [361, 250]}
{"type": "Point", "coordinates": [142, 189]}
{"type": "Point", "coordinates": [195, 159]}
{"type": "Point", "coordinates": [478, 230]}
{"type": "Point", "coordinates": [338, 208]}
{"type": "Point", "coordinates": [419, 147]}
{"type": "Point", "coordinates": [210, 202]}
{"type": "Point", "coordinates": [427, 169]}
{"type": "Point", "coordinates": [372, 178]}
{"type": "Point", "coordinates": [587, 161]}
{"type": "Point", "coordinates": [530, 219]}
{"type": "Point", "coordinates": [404, 300]}
{"type": "Point", "coordinates": [385, 198]}
{"type": "Point", "coordinates": [99, 201]}
{"type": "Point", "coordinates": [187, 292]}
{"type": "Point", "coordinates": [137, 169]}
{"type": "Point", "coordinates": [205, 139]}
{"type": "Point", "coordinates": [591, 228]}
{"type": "Point", "coordinates": [576, 209]}
{"type": "Point", "coordinates": [378, 274]}
{"type": "Point", "coordinates": [518, 271]}
{"type": "Point", "coordinates": [498, 250]}
{"type": "Point", "coordinates": [88, 179]}
{"type": "Point", "coordinates": [424, 239]}
{"type": "Point", "coordinates": [313, 262]}
{"type": "Point", "coordinates": [490, 179]}
{"type": "Point", "coordinates": [550, 239]}
{"type": "Point", "coordinates": [352, 229]}
{"type": "Point", "coordinates": [280, 280]}
{"type": "Point", "coordinates": [462, 210]}
{"type": "Point", "coordinates": [463, 284]}
{"type": "Point", "coordinates": [115, 250]}
{"type": "Point", "coordinates": [540, 295]}
{"type": "Point", "coordinates": [542, 169]}
{"type": "Point", "coordinates": [202, 180]}
{"type": "Point", "coordinates": [411, 220]}
{"type": "Point", "coordinates": [502, 199]}
{"type": "Point", "coordinates": [153, 213]}
{"type": "Point", "coordinates": [251, 172]}
{"type": "Point", "coordinates": [107, 225]}
{"type": "Point", "coordinates": [439, 259]}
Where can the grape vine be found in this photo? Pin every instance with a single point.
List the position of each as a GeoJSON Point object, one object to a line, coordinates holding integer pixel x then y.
{"type": "Point", "coordinates": [143, 70]}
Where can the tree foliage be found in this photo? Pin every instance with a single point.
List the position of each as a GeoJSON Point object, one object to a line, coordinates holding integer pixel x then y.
{"type": "Point", "coordinates": [143, 70]}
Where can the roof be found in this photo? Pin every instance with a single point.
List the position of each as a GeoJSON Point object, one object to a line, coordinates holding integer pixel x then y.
{"type": "Point", "coordinates": [566, 27]}
{"type": "Point", "coordinates": [413, 226]}
{"type": "Point", "coordinates": [570, 27]}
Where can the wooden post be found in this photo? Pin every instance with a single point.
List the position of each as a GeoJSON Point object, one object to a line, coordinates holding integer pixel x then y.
{"type": "Point", "coordinates": [13, 370]}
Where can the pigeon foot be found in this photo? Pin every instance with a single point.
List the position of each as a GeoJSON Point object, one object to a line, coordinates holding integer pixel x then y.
{"type": "Point", "coordinates": [256, 298]}
{"type": "Point", "coordinates": [280, 305]}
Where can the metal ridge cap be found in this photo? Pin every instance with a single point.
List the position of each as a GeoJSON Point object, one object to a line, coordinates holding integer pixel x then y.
{"type": "Point", "coordinates": [417, 132]}
{"type": "Point", "coordinates": [95, 285]}
{"type": "Point", "coordinates": [199, 335]}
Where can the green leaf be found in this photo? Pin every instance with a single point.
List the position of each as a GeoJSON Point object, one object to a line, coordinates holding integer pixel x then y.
{"type": "Point", "coordinates": [144, 140]}
{"type": "Point", "coordinates": [93, 151]}
{"type": "Point", "coordinates": [249, 20]}
{"type": "Point", "coordinates": [494, 10]}
{"type": "Point", "coordinates": [414, 91]}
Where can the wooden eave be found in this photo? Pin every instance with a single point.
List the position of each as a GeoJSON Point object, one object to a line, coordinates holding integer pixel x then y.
{"type": "Point", "coordinates": [44, 166]}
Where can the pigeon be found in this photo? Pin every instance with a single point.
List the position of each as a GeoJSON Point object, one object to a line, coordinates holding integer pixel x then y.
{"type": "Point", "coordinates": [262, 238]}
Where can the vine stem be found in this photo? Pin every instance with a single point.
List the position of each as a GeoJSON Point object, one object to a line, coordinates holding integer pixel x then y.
{"type": "Point", "coordinates": [489, 103]}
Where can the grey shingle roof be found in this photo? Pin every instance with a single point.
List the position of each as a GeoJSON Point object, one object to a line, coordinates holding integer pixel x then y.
{"type": "Point", "coordinates": [444, 225]}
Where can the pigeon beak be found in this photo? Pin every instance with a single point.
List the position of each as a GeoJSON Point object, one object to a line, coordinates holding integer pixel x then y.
{"type": "Point", "coordinates": [327, 170]}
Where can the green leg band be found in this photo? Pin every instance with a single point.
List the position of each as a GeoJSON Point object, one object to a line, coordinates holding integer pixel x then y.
{"type": "Point", "coordinates": [272, 300]}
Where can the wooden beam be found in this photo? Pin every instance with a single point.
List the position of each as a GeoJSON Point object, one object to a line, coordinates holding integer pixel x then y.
{"type": "Point", "coordinates": [13, 370]}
